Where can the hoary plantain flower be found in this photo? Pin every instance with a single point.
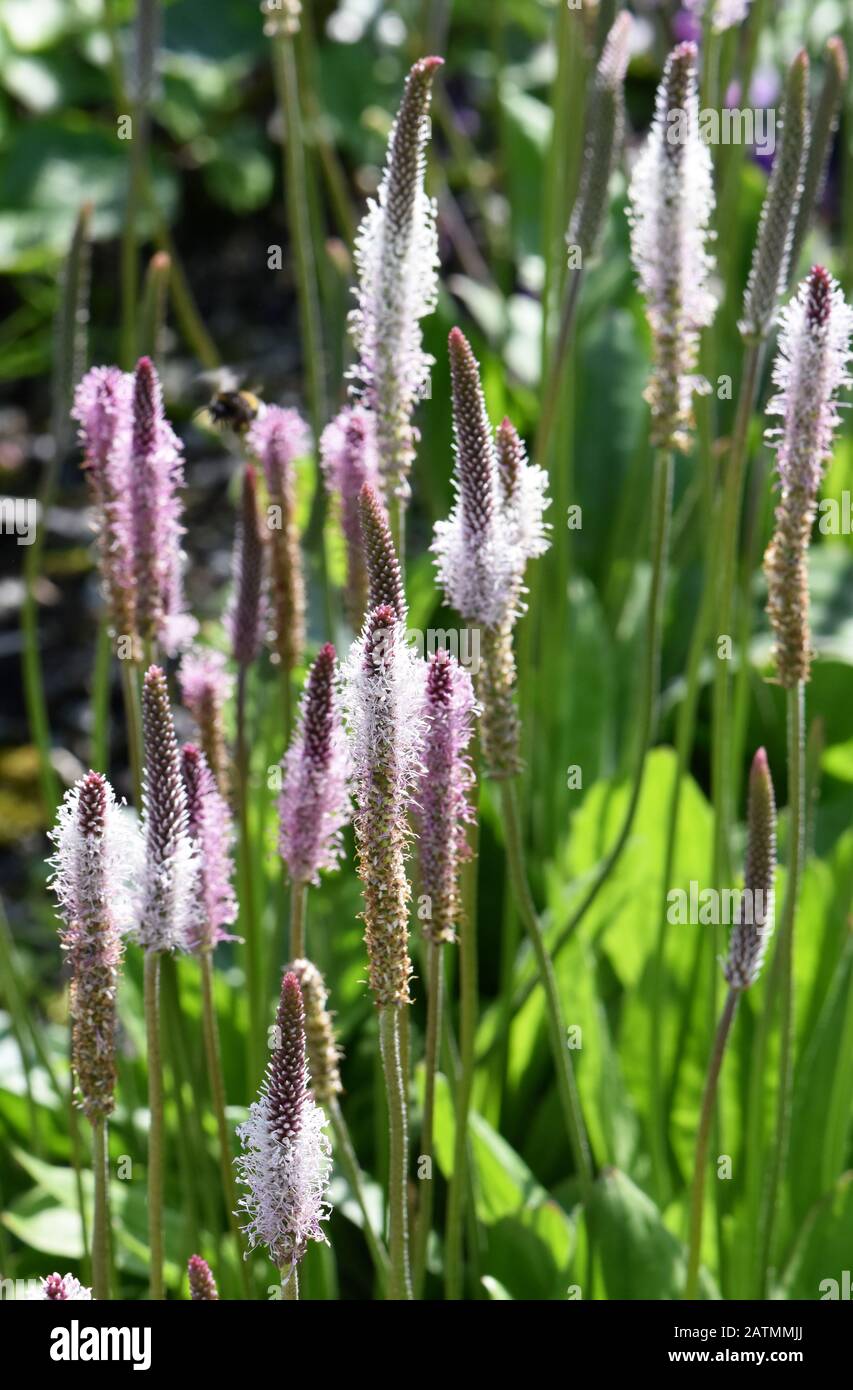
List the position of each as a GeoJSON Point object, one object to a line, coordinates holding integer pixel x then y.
{"type": "Point", "coordinates": [285, 1162]}
{"type": "Point", "coordinates": [396, 256]}
{"type": "Point", "coordinates": [768, 276]}
{"type": "Point", "coordinates": [206, 686]}
{"type": "Point", "coordinates": [156, 475]}
{"type": "Point", "coordinates": [482, 550]}
{"type": "Point", "coordinates": [95, 870]}
{"type": "Point", "coordinates": [602, 141]}
{"type": "Point", "coordinates": [210, 826]}
{"type": "Point", "coordinates": [671, 200]}
{"type": "Point", "coordinates": [754, 927]}
{"type": "Point", "coordinates": [202, 1283]}
{"type": "Point", "coordinates": [277, 439]}
{"type": "Point", "coordinates": [442, 807]}
{"type": "Point", "coordinates": [811, 367]}
{"type": "Point", "coordinates": [62, 1288]}
{"type": "Point", "coordinates": [102, 406]}
{"type": "Point", "coordinates": [383, 703]}
{"type": "Point", "coordinates": [169, 909]}
{"type": "Point", "coordinates": [314, 805]}
{"type": "Point", "coordinates": [384, 576]}
{"type": "Point", "coordinates": [349, 459]}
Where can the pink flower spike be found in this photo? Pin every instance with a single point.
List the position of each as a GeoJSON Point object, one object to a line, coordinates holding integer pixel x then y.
{"type": "Point", "coordinates": [277, 439]}
{"type": "Point", "coordinates": [314, 804]}
{"type": "Point", "coordinates": [442, 806]}
{"type": "Point", "coordinates": [349, 459]}
{"type": "Point", "coordinates": [156, 475]}
{"type": "Point", "coordinates": [170, 907]}
{"type": "Point", "coordinates": [396, 256]}
{"type": "Point", "coordinates": [247, 612]}
{"type": "Point", "coordinates": [286, 1161]}
{"type": "Point", "coordinates": [102, 406]}
{"type": "Point", "coordinates": [202, 1283]}
{"type": "Point", "coordinates": [63, 1288]}
{"type": "Point", "coordinates": [209, 824]}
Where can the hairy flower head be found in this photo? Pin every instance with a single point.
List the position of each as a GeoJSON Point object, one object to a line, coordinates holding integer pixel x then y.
{"type": "Point", "coordinates": [170, 907]}
{"type": "Point", "coordinates": [102, 406]}
{"type": "Point", "coordinates": [278, 438]}
{"type": "Point", "coordinates": [811, 368]}
{"type": "Point", "coordinates": [156, 475]}
{"type": "Point", "coordinates": [206, 687]}
{"type": "Point", "coordinates": [210, 826]}
{"type": "Point", "coordinates": [314, 805]}
{"type": "Point", "coordinates": [749, 937]}
{"type": "Point", "coordinates": [202, 1283]}
{"type": "Point", "coordinates": [62, 1288]}
{"type": "Point", "coordinates": [349, 458]}
{"type": "Point", "coordinates": [95, 875]}
{"type": "Point", "coordinates": [246, 614]}
{"type": "Point", "coordinates": [670, 204]}
{"type": "Point", "coordinates": [396, 256]}
{"type": "Point", "coordinates": [383, 703]}
{"type": "Point", "coordinates": [286, 1160]}
{"type": "Point", "coordinates": [496, 523]}
{"type": "Point", "coordinates": [323, 1051]}
{"type": "Point", "coordinates": [442, 805]}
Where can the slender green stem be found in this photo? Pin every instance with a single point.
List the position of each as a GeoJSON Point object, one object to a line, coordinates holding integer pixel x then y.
{"type": "Point", "coordinates": [217, 1090]}
{"type": "Point", "coordinates": [566, 1085]}
{"type": "Point", "coordinates": [435, 988]}
{"type": "Point", "coordinates": [556, 367]}
{"type": "Point", "coordinates": [155, 1130]}
{"type": "Point", "coordinates": [706, 1120]}
{"type": "Point", "coordinates": [727, 548]}
{"type": "Point", "coordinates": [249, 916]}
{"type": "Point", "coordinates": [468, 1010]}
{"type": "Point", "coordinates": [346, 1153]}
{"type": "Point", "coordinates": [101, 1230]}
{"type": "Point", "coordinates": [289, 1283]}
{"type": "Point", "coordinates": [399, 1278]}
{"type": "Point", "coordinates": [298, 897]}
{"type": "Point", "coordinates": [796, 711]}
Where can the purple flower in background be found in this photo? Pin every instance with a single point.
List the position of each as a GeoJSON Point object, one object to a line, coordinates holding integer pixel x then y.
{"type": "Point", "coordinates": [95, 875]}
{"type": "Point", "coordinates": [442, 807]}
{"type": "Point", "coordinates": [396, 256]}
{"type": "Point", "coordinates": [170, 908]}
{"type": "Point", "coordinates": [314, 804]}
{"type": "Point", "coordinates": [724, 13]}
{"type": "Point", "coordinates": [62, 1288]}
{"type": "Point", "coordinates": [277, 439]}
{"type": "Point", "coordinates": [811, 367]}
{"type": "Point", "coordinates": [202, 1283]}
{"type": "Point", "coordinates": [686, 27]}
{"type": "Point", "coordinates": [206, 686]}
{"type": "Point", "coordinates": [349, 459]}
{"type": "Point", "coordinates": [286, 1160]}
{"type": "Point", "coordinates": [209, 824]}
{"type": "Point", "coordinates": [102, 406]}
{"type": "Point", "coordinates": [246, 615]}
{"type": "Point", "coordinates": [156, 475]}
{"type": "Point", "coordinates": [671, 198]}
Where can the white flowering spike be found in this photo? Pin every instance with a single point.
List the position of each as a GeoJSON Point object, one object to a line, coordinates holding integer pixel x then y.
{"type": "Point", "coordinates": [496, 524]}
{"type": "Point", "coordinates": [396, 256]}
{"type": "Point", "coordinates": [811, 367]}
{"type": "Point", "coordinates": [286, 1160]}
{"type": "Point", "coordinates": [671, 200]}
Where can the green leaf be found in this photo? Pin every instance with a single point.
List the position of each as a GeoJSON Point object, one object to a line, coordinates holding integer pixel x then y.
{"type": "Point", "coordinates": [640, 1258]}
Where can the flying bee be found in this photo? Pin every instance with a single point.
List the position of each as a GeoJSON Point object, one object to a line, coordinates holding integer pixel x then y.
{"type": "Point", "coordinates": [231, 407]}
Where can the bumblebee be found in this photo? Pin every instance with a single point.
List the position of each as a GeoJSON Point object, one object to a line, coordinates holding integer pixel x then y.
{"type": "Point", "coordinates": [231, 407]}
